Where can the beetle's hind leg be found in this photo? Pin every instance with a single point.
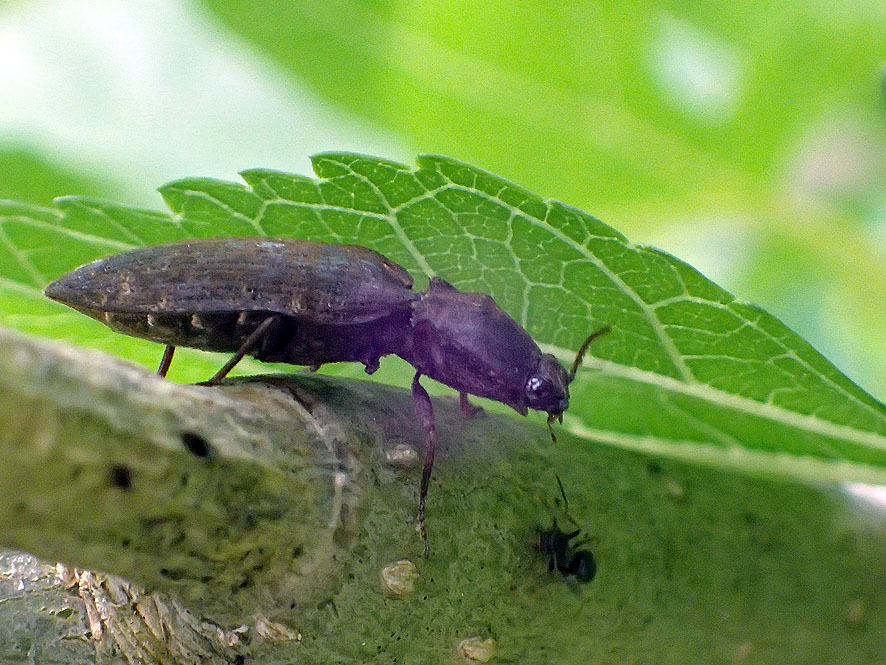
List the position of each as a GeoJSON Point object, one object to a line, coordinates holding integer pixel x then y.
{"type": "Point", "coordinates": [425, 411]}
{"type": "Point", "coordinates": [248, 344]}
{"type": "Point", "coordinates": [166, 360]}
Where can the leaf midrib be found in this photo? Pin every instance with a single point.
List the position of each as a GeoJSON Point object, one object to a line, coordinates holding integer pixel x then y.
{"type": "Point", "coordinates": [809, 423]}
{"type": "Point", "coordinates": [776, 464]}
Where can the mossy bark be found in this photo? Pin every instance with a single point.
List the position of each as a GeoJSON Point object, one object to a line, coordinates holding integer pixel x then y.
{"type": "Point", "coordinates": [252, 523]}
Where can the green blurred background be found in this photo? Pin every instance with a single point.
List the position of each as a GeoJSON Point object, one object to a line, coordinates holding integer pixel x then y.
{"type": "Point", "coordinates": [748, 138]}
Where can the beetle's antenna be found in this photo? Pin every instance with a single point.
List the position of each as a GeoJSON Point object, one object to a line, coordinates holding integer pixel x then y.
{"type": "Point", "coordinates": [581, 352]}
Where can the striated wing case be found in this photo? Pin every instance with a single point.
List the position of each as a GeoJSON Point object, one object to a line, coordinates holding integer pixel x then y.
{"type": "Point", "coordinates": [323, 283]}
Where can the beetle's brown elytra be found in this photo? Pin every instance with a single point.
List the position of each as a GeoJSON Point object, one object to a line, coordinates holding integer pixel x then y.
{"type": "Point", "coordinates": [310, 303]}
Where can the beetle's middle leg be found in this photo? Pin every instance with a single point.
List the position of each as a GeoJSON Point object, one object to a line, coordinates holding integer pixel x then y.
{"type": "Point", "coordinates": [248, 344]}
{"type": "Point", "coordinates": [166, 360]}
{"type": "Point", "coordinates": [425, 412]}
{"type": "Point", "coordinates": [468, 410]}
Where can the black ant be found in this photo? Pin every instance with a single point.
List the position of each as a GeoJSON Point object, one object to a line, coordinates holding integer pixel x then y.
{"type": "Point", "coordinates": [564, 556]}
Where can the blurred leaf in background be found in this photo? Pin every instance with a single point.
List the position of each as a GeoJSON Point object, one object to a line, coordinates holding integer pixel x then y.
{"type": "Point", "coordinates": [746, 138]}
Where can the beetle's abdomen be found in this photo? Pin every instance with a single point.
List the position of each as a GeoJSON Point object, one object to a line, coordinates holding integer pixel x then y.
{"type": "Point", "coordinates": [302, 342]}
{"type": "Point", "coordinates": [295, 340]}
{"type": "Point", "coordinates": [219, 331]}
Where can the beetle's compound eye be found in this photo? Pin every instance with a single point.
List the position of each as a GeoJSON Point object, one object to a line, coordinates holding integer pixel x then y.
{"type": "Point", "coordinates": [547, 388]}
{"type": "Point", "coordinates": [539, 386]}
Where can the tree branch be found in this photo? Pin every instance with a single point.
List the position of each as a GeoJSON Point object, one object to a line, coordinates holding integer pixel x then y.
{"type": "Point", "coordinates": [273, 519]}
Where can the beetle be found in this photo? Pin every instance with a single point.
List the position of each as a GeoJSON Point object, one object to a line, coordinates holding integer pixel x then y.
{"type": "Point", "coordinates": [311, 303]}
{"type": "Point", "coordinates": [569, 559]}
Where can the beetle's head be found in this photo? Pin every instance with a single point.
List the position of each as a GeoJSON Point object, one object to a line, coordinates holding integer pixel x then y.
{"type": "Point", "coordinates": [547, 388]}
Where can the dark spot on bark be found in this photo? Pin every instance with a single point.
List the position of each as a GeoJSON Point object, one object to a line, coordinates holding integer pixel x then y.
{"type": "Point", "coordinates": [172, 574]}
{"type": "Point", "coordinates": [196, 444]}
{"type": "Point", "coordinates": [120, 476]}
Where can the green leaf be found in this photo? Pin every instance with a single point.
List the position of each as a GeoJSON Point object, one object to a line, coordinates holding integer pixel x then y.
{"type": "Point", "coordinates": [718, 130]}
{"type": "Point", "coordinates": [687, 370]}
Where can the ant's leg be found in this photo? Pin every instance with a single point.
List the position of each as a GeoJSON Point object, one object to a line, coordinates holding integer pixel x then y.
{"type": "Point", "coordinates": [254, 337]}
{"type": "Point", "coordinates": [166, 360]}
{"type": "Point", "coordinates": [425, 412]}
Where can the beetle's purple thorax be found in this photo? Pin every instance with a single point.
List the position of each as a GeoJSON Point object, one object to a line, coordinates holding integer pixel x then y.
{"type": "Point", "coordinates": [468, 342]}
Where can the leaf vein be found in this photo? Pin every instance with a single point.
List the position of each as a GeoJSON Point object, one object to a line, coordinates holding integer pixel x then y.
{"type": "Point", "coordinates": [714, 395]}
{"type": "Point", "coordinates": [665, 340]}
{"type": "Point", "coordinates": [398, 230]}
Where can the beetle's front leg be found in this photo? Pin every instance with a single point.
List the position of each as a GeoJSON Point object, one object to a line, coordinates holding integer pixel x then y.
{"type": "Point", "coordinates": [425, 412]}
